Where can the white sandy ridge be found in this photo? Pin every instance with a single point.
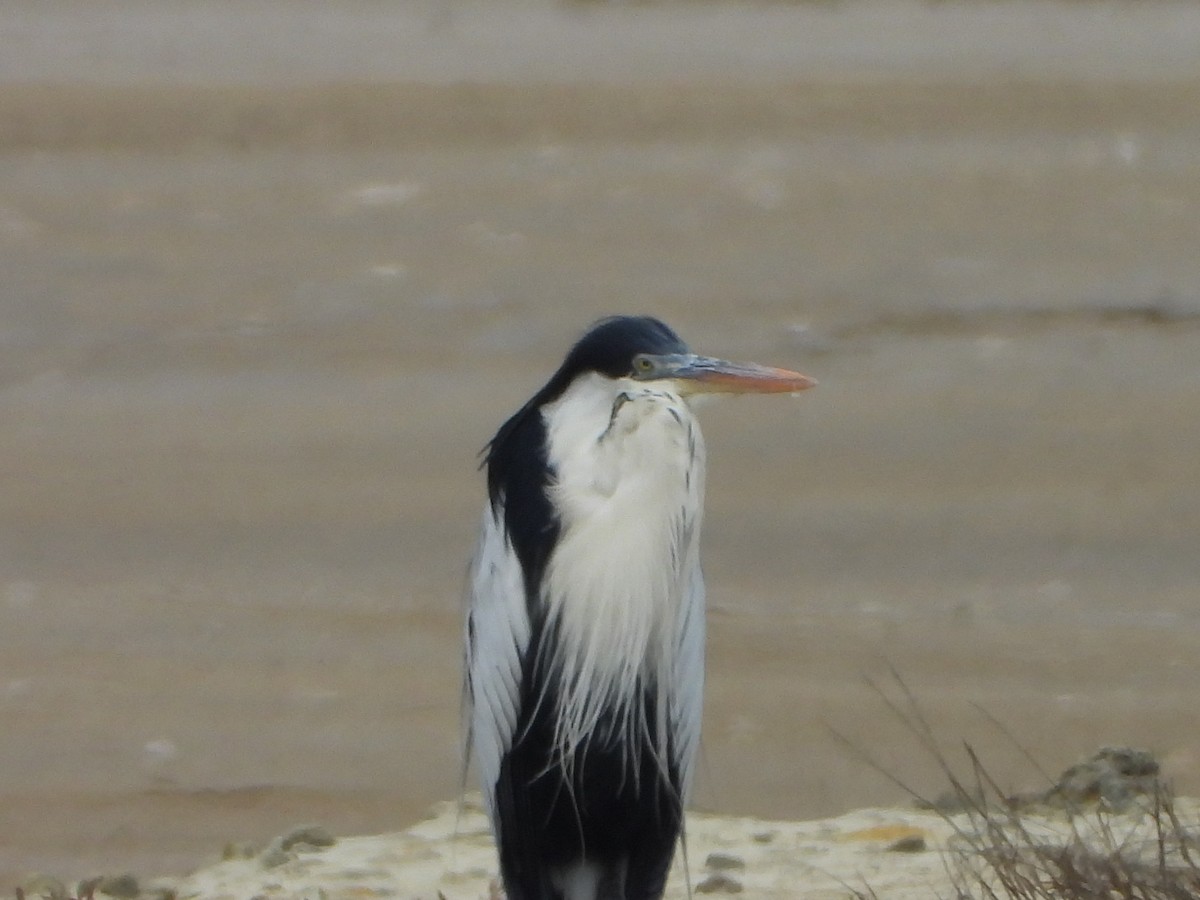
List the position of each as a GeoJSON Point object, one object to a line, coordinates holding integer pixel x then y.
{"type": "Point", "coordinates": [891, 854]}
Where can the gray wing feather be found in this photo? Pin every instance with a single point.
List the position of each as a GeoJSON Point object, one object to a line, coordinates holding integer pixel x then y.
{"type": "Point", "coordinates": [498, 635]}
{"type": "Point", "coordinates": [688, 683]}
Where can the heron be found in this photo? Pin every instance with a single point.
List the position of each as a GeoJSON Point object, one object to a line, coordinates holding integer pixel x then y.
{"type": "Point", "coordinates": [585, 613]}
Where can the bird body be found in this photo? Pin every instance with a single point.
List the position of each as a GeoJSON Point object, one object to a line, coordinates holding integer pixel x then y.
{"type": "Point", "coordinates": [585, 628]}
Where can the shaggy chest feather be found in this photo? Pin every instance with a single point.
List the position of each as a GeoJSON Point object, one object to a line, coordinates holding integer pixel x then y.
{"type": "Point", "coordinates": [628, 487]}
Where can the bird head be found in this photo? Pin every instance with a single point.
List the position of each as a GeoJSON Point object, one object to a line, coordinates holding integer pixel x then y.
{"type": "Point", "coordinates": [643, 349]}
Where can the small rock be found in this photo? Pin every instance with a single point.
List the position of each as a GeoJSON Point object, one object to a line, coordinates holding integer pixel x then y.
{"type": "Point", "coordinates": [1114, 777]}
{"type": "Point", "coordinates": [238, 850]}
{"type": "Point", "coordinates": [274, 856]}
{"type": "Point", "coordinates": [724, 861]}
{"type": "Point", "coordinates": [913, 843]}
{"type": "Point", "coordinates": [719, 883]}
{"type": "Point", "coordinates": [301, 839]}
{"type": "Point", "coordinates": [124, 886]}
{"type": "Point", "coordinates": [315, 836]}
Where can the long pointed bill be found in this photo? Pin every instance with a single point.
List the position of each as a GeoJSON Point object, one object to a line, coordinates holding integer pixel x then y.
{"type": "Point", "coordinates": [703, 374]}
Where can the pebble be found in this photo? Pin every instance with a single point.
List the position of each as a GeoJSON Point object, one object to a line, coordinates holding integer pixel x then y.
{"type": "Point", "coordinates": [273, 857]}
{"type": "Point", "coordinates": [719, 883]}
{"type": "Point", "coordinates": [239, 850]}
{"type": "Point", "coordinates": [301, 839]}
{"type": "Point", "coordinates": [913, 843]}
{"type": "Point", "coordinates": [1113, 776]}
{"type": "Point", "coordinates": [124, 886]}
{"type": "Point", "coordinates": [724, 861]}
{"type": "Point", "coordinates": [313, 835]}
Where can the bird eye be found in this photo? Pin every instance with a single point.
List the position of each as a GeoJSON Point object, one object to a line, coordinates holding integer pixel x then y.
{"type": "Point", "coordinates": [643, 365]}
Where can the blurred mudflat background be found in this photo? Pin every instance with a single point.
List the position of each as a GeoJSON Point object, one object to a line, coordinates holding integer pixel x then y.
{"type": "Point", "coordinates": [275, 270]}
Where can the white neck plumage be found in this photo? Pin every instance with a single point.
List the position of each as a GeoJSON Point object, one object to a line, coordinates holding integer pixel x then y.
{"type": "Point", "coordinates": [628, 465]}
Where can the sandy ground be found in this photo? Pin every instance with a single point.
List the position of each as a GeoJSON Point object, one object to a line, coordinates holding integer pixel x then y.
{"type": "Point", "coordinates": [889, 854]}
{"type": "Point", "coordinates": [265, 296]}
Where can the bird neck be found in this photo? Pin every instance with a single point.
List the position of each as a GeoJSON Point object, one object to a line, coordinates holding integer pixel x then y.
{"type": "Point", "coordinates": [627, 462]}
